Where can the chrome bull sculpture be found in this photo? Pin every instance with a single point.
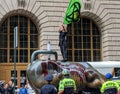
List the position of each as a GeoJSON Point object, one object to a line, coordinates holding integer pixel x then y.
{"type": "Point", "coordinates": [84, 74]}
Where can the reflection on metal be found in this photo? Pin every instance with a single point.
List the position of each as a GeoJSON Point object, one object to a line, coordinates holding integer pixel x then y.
{"type": "Point", "coordinates": [21, 3]}
{"type": "Point", "coordinates": [83, 73]}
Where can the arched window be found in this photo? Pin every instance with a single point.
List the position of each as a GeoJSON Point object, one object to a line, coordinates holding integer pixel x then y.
{"type": "Point", "coordinates": [27, 39]}
{"type": "Point", "coordinates": [83, 41]}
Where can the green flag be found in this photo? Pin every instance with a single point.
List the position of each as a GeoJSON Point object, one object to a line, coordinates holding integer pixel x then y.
{"type": "Point", "coordinates": [73, 12]}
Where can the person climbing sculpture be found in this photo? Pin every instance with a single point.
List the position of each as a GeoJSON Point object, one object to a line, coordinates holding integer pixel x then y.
{"type": "Point", "coordinates": [62, 42]}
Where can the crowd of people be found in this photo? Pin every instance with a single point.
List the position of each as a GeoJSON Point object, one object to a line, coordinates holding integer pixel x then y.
{"type": "Point", "coordinates": [8, 88]}
{"type": "Point", "coordinates": [68, 85]}
{"type": "Point", "coordinates": [12, 88]}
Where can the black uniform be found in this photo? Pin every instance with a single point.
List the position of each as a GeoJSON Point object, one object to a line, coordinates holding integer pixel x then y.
{"type": "Point", "coordinates": [62, 44]}
{"type": "Point", "coordinates": [48, 89]}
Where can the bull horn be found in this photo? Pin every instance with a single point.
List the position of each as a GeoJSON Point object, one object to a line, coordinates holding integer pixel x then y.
{"type": "Point", "coordinates": [35, 53]}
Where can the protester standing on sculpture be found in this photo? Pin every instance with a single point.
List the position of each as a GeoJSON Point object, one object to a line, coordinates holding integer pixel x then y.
{"type": "Point", "coordinates": [62, 42]}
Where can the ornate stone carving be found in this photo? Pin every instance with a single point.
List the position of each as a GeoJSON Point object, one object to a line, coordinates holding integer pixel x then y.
{"type": "Point", "coordinates": [21, 3]}
{"type": "Point", "coordinates": [87, 4]}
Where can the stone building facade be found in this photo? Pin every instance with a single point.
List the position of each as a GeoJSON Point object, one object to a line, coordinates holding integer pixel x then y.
{"type": "Point", "coordinates": [47, 15]}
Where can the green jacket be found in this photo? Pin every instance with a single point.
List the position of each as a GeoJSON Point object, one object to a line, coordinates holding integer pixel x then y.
{"type": "Point", "coordinates": [118, 82]}
{"type": "Point", "coordinates": [109, 84]}
{"type": "Point", "coordinates": [66, 82]}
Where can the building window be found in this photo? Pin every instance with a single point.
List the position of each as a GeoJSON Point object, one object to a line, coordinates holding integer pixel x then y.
{"type": "Point", "coordinates": [14, 77]}
{"type": "Point", "coordinates": [85, 44]}
{"type": "Point", "coordinates": [23, 80]}
{"type": "Point", "coordinates": [27, 39]}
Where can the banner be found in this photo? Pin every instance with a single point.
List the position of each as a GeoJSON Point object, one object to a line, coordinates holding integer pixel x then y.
{"type": "Point", "coordinates": [73, 12]}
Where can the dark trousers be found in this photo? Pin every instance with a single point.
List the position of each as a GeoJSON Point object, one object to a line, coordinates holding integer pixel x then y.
{"type": "Point", "coordinates": [63, 51]}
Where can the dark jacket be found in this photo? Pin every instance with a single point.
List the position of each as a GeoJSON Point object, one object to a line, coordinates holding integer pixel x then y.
{"type": "Point", "coordinates": [48, 89]}
{"type": "Point", "coordinates": [2, 91]}
{"type": "Point", "coordinates": [62, 38]}
{"type": "Point", "coordinates": [10, 90]}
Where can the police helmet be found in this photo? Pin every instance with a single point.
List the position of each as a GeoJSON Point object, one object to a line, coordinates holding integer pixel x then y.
{"type": "Point", "coordinates": [49, 77]}
{"type": "Point", "coordinates": [65, 72]}
{"type": "Point", "coordinates": [108, 75]}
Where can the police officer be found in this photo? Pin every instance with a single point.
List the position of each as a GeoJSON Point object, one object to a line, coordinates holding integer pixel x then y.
{"type": "Point", "coordinates": [118, 82]}
{"type": "Point", "coordinates": [109, 87]}
{"type": "Point", "coordinates": [67, 85]}
{"type": "Point", "coordinates": [62, 42]}
{"type": "Point", "coordinates": [48, 88]}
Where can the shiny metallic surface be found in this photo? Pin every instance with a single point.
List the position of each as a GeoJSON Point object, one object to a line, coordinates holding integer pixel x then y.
{"type": "Point", "coordinates": [83, 73]}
